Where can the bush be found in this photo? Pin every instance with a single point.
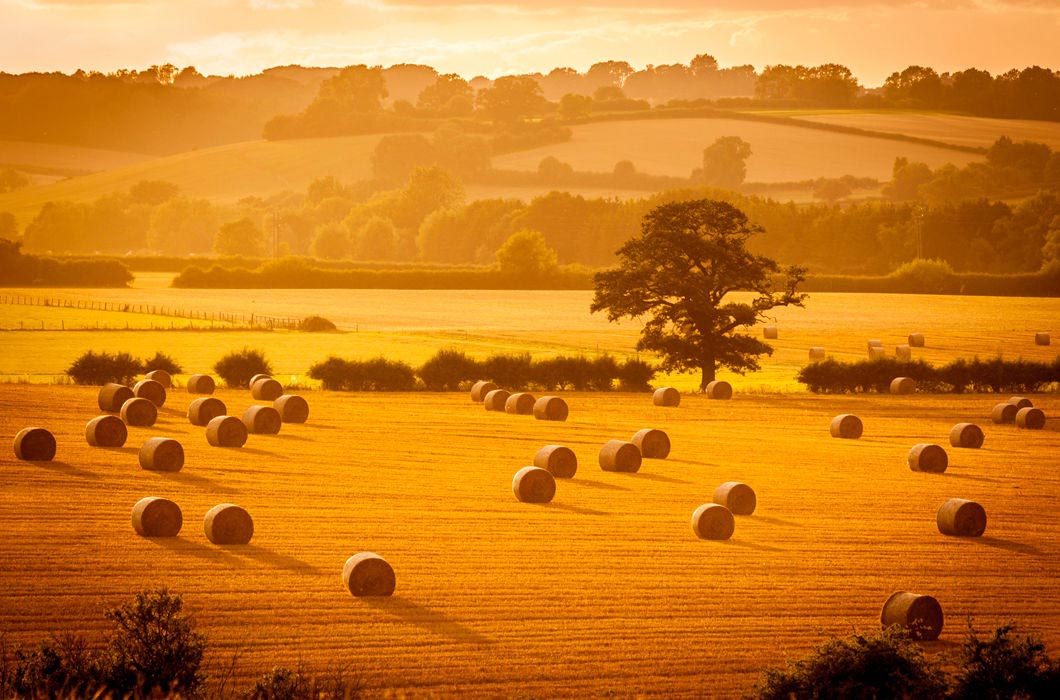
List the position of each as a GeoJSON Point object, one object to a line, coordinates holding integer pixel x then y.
{"type": "Point", "coordinates": [379, 374]}
{"type": "Point", "coordinates": [508, 370]}
{"type": "Point", "coordinates": [58, 667]}
{"type": "Point", "coordinates": [282, 683]}
{"type": "Point", "coordinates": [162, 361]}
{"type": "Point", "coordinates": [102, 368]}
{"type": "Point", "coordinates": [449, 370]}
{"type": "Point", "coordinates": [236, 368]}
{"type": "Point", "coordinates": [635, 375]}
{"type": "Point", "coordinates": [997, 375]}
{"type": "Point", "coordinates": [316, 324]}
{"type": "Point", "coordinates": [1004, 667]}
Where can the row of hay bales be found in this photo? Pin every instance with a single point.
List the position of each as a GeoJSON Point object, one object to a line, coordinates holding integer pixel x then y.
{"type": "Point", "coordinates": [498, 400]}
{"type": "Point", "coordinates": [670, 397]}
{"type": "Point", "coordinates": [876, 349]}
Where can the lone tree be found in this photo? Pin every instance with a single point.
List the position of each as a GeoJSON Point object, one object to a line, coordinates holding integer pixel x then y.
{"type": "Point", "coordinates": [688, 257]}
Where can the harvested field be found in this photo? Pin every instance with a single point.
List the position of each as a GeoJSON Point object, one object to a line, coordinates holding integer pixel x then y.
{"type": "Point", "coordinates": [950, 128]}
{"type": "Point", "coordinates": [600, 592]}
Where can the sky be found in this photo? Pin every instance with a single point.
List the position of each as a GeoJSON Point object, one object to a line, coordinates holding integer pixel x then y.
{"type": "Point", "coordinates": [240, 37]}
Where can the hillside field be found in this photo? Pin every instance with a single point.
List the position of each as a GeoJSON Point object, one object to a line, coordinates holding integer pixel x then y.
{"type": "Point", "coordinates": [605, 592]}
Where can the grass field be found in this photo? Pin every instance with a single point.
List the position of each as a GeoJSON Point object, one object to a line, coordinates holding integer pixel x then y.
{"type": "Point", "coordinates": [603, 593]}
{"type": "Point", "coordinates": [951, 128]}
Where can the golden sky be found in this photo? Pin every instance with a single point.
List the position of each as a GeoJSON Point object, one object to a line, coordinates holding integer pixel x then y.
{"type": "Point", "coordinates": [872, 37]}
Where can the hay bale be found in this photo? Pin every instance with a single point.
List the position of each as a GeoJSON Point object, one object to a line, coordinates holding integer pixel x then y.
{"type": "Point", "coordinates": [916, 340]}
{"type": "Point", "coordinates": [1004, 413]}
{"type": "Point", "coordinates": [267, 389]}
{"type": "Point", "coordinates": [35, 445]}
{"type": "Point", "coordinates": [480, 389]}
{"type": "Point", "coordinates": [619, 456]}
{"type": "Point", "coordinates": [877, 353]}
{"type": "Point", "coordinates": [202, 411]}
{"type": "Point", "coordinates": [1020, 402]}
{"type": "Point", "coordinates": [817, 353]}
{"type": "Point", "coordinates": [256, 377]}
{"type": "Point", "coordinates": [162, 454]}
{"type": "Point", "coordinates": [902, 352]}
{"type": "Point", "coordinates": [666, 396]}
{"type": "Point", "coordinates": [920, 614]}
{"type": "Point", "coordinates": [201, 384]}
{"type": "Point", "coordinates": [368, 574]}
{"type": "Point", "coordinates": [713, 522]}
{"type": "Point", "coordinates": [534, 485]}
{"type": "Point", "coordinates": [520, 404]}
{"type": "Point", "coordinates": [1041, 338]}
{"type": "Point", "coordinates": [106, 431]}
{"type": "Point", "coordinates": [495, 400]}
{"type": "Point", "coordinates": [112, 396]}
{"type": "Point", "coordinates": [292, 408]}
{"type": "Point", "coordinates": [875, 344]}
{"type": "Point", "coordinates": [961, 518]}
{"type": "Point", "coordinates": [652, 443]}
{"type": "Point", "coordinates": [903, 385]}
{"type": "Point", "coordinates": [226, 431]}
{"type": "Point", "coordinates": [550, 408]}
{"type": "Point", "coordinates": [262, 420]}
{"type": "Point", "coordinates": [738, 497]}
{"type": "Point", "coordinates": [847, 426]}
{"type": "Point", "coordinates": [1030, 418]}
{"type": "Point", "coordinates": [719, 390]}
{"type": "Point", "coordinates": [157, 517]}
{"type": "Point", "coordinates": [928, 457]}
{"type": "Point", "coordinates": [557, 459]}
{"type": "Point", "coordinates": [227, 523]}
{"type": "Point", "coordinates": [151, 390]}
{"type": "Point", "coordinates": [966, 435]}
{"type": "Point", "coordinates": [161, 376]}
{"type": "Point", "coordinates": [139, 413]}
{"type": "Point", "coordinates": [769, 332]}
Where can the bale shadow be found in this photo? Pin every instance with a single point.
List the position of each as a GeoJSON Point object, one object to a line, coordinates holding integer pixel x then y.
{"type": "Point", "coordinates": [252, 451]}
{"type": "Point", "coordinates": [273, 558]}
{"type": "Point", "coordinates": [413, 613]}
{"type": "Point", "coordinates": [753, 545]}
{"type": "Point", "coordinates": [774, 521]}
{"type": "Point", "coordinates": [969, 477]}
{"type": "Point", "coordinates": [289, 436]}
{"type": "Point", "coordinates": [179, 545]}
{"type": "Point", "coordinates": [64, 468]}
{"type": "Point", "coordinates": [574, 509]}
{"type": "Point", "coordinates": [1008, 545]}
{"type": "Point", "coordinates": [599, 484]}
{"type": "Point", "coordinates": [648, 476]}
{"type": "Point", "coordinates": [323, 426]}
{"type": "Point", "coordinates": [203, 482]}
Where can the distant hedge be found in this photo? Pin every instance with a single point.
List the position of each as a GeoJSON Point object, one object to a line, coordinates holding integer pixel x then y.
{"type": "Point", "coordinates": [18, 270]}
{"type": "Point", "coordinates": [996, 376]}
{"type": "Point", "coordinates": [935, 277]}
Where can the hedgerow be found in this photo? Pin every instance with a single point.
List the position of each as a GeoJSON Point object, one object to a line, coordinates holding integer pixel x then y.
{"type": "Point", "coordinates": [995, 375]}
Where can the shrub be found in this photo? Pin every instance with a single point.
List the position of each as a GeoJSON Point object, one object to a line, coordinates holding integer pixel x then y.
{"type": "Point", "coordinates": [162, 361]}
{"type": "Point", "coordinates": [331, 373]}
{"type": "Point", "coordinates": [236, 368]}
{"type": "Point", "coordinates": [379, 374]}
{"type": "Point", "coordinates": [58, 667]}
{"type": "Point", "coordinates": [448, 370]}
{"type": "Point", "coordinates": [1003, 666]}
{"type": "Point", "coordinates": [92, 368]}
{"type": "Point", "coordinates": [635, 375]}
{"type": "Point", "coordinates": [602, 373]}
{"type": "Point", "coordinates": [316, 324]}
{"type": "Point", "coordinates": [282, 683]}
{"type": "Point", "coordinates": [997, 375]}
{"type": "Point", "coordinates": [511, 371]}
{"type": "Point", "coordinates": [887, 664]}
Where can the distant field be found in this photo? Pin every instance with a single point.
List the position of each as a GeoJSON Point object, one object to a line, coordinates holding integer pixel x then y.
{"type": "Point", "coordinates": [59, 157]}
{"type": "Point", "coordinates": [780, 153]}
{"type": "Point", "coordinates": [603, 593]}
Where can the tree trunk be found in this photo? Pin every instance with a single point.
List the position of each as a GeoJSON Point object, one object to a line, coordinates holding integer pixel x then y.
{"type": "Point", "coordinates": [709, 370]}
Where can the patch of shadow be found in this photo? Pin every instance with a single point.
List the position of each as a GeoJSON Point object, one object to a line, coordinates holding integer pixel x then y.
{"type": "Point", "coordinates": [754, 545]}
{"type": "Point", "coordinates": [599, 484]}
{"type": "Point", "coordinates": [648, 476]}
{"type": "Point", "coordinates": [273, 558]}
{"type": "Point", "coordinates": [203, 482]}
{"type": "Point", "coordinates": [289, 436]}
{"type": "Point", "coordinates": [322, 426]}
{"type": "Point", "coordinates": [1008, 545]}
{"type": "Point", "coordinates": [425, 618]}
{"type": "Point", "coordinates": [252, 451]}
{"type": "Point", "coordinates": [179, 545]}
{"type": "Point", "coordinates": [774, 521]}
{"type": "Point", "coordinates": [969, 477]}
{"type": "Point", "coordinates": [574, 509]}
{"type": "Point", "coordinates": [64, 468]}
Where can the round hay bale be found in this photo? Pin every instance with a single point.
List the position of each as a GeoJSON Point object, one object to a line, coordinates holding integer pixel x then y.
{"type": "Point", "coordinates": [368, 574]}
{"type": "Point", "coordinates": [652, 443]}
{"type": "Point", "coordinates": [769, 332]}
{"type": "Point", "coordinates": [550, 408]}
{"type": "Point", "coordinates": [557, 459]}
{"type": "Point", "coordinates": [35, 445]}
{"type": "Point", "coordinates": [719, 390]}
{"type": "Point", "coordinates": [619, 456]}
{"type": "Point", "coordinates": [202, 411]}
{"type": "Point", "coordinates": [262, 420]}
{"type": "Point", "coordinates": [267, 389]}
{"type": "Point", "coordinates": [1004, 413]}
{"type": "Point", "coordinates": [151, 390]}
{"type": "Point", "coordinates": [920, 614]}
{"type": "Point", "coordinates": [112, 396]}
{"type": "Point", "coordinates": [1020, 402]}
{"type": "Point", "coordinates": [227, 523]}
{"type": "Point", "coordinates": [877, 353]}
{"type": "Point", "coordinates": [495, 400]}
{"type": "Point", "coordinates": [292, 408]}
{"type": "Point", "coordinates": [480, 389]}
{"type": "Point", "coordinates": [738, 497]}
{"type": "Point", "coordinates": [1041, 338]}
{"type": "Point", "coordinates": [162, 454]}
{"type": "Point", "coordinates": [916, 340]}
{"type": "Point", "coordinates": [161, 376]}
{"type": "Point", "coordinates": [847, 426]}
{"type": "Point", "coordinates": [903, 385]}
{"type": "Point", "coordinates": [1030, 418]}
{"type": "Point", "coordinates": [666, 396]}
{"type": "Point", "coordinates": [157, 517]}
{"type": "Point", "coordinates": [520, 404]}
{"type": "Point", "coordinates": [966, 435]}
{"type": "Point", "coordinates": [201, 384]}
{"type": "Point", "coordinates": [817, 353]}
{"type": "Point", "coordinates": [713, 522]}
{"type": "Point", "coordinates": [928, 457]}
{"type": "Point", "coordinates": [875, 344]}
{"type": "Point", "coordinates": [139, 413]}
{"type": "Point", "coordinates": [106, 431]}
{"type": "Point", "coordinates": [256, 377]}
{"type": "Point", "coordinates": [902, 352]}
{"type": "Point", "coordinates": [534, 485]}
{"type": "Point", "coordinates": [961, 518]}
{"type": "Point", "coordinates": [226, 431]}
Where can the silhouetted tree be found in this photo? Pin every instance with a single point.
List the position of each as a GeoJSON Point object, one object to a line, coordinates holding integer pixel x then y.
{"type": "Point", "coordinates": [512, 98]}
{"type": "Point", "coordinates": [525, 254]}
{"type": "Point", "coordinates": [241, 237]}
{"type": "Point", "coordinates": [724, 162]}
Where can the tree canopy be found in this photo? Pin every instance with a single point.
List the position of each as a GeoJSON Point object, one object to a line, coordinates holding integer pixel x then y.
{"type": "Point", "coordinates": [680, 271]}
